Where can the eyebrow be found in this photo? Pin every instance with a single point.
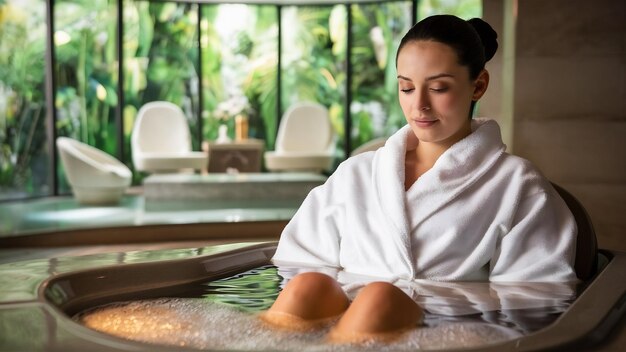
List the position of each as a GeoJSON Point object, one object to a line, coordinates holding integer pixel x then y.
{"type": "Point", "coordinates": [440, 75]}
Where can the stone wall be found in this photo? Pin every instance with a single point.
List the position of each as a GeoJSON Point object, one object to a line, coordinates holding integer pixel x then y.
{"type": "Point", "coordinates": [569, 101]}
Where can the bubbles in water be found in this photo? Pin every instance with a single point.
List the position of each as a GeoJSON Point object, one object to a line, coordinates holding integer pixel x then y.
{"type": "Point", "coordinates": [201, 324]}
{"type": "Point", "coordinates": [222, 314]}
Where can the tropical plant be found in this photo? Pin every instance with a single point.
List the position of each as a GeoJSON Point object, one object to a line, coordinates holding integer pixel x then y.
{"type": "Point", "coordinates": [23, 155]}
{"type": "Point", "coordinates": [86, 73]}
{"type": "Point", "coordinates": [240, 62]}
{"type": "Point", "coordinates": [260, 85]}
{"type": "Point", "coordinates": [212, 88]}
{"type": "Point", "coordinates": [160, 62]}
{"type": "Point", "coordinates": [313, 60]}
{"type": "Point", "coordinates": [463, 8]}
{"type": "Point", "coordinates": [377, 31]}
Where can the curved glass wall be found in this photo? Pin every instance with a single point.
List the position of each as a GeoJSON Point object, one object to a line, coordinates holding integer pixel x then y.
{"type": "Point", "coordinates": [214, 60]}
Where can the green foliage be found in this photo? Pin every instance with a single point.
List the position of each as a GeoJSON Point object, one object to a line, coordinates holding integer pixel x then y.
{"type": "Point", "coordinates": [22, 101]}
{"type": "Point", "coordinates": [86, 73]}
{"type": "Point", "coordinates": [462, 8]}
{"type": "Point", "coordinates": [313, 62]}
{"type": "Point", "coordinates": [212, 88]}
{"type": "Point", "coordinates": [160, 55]}
{"type": "Point", "coordinates": [249, 70]}
{"type": "Point", "coordinates": [377, 32]}
{"type": "Point", "coordinates": [260, 88]}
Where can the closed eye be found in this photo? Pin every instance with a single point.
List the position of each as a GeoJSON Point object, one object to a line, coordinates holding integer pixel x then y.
{"type": "Point", "coordinates": [408, 90]}
{"type": "Point", "coordinates": [438, 90]}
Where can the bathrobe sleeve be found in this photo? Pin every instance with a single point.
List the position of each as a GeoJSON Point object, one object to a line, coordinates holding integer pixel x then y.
{"type": "Point", "coordinates": [312, 236]}
{"type": "Point", "coordinates": [540, 244]}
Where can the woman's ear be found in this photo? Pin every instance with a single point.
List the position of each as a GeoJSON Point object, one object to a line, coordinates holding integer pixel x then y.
{"type": "Point", "coordinates": [480, 84]}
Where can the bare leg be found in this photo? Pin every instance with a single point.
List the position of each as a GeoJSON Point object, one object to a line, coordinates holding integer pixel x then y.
{"type": "Point", "coordinates": [381, 312]}
{"type": "Point", "coordinates": [308, 301]}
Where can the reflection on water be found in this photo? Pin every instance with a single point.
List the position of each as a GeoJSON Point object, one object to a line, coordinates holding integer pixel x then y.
{"type": "Point", "coordinates": [251, 291]}
{"type": "Point", "coordinates": [221, 314]}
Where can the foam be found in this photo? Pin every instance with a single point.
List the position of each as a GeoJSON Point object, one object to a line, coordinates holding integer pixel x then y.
{"type": "Point", "coordinates": [201, 324]}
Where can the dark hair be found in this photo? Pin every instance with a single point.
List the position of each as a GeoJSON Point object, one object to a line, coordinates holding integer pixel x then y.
{"type": "Point", "coordinates": [474, 40]}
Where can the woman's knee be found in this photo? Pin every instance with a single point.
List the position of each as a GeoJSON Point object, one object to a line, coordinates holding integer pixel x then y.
{"type": "Point", "coordinates": [308, 300]}
{"type": "Point", "coordinates": [312, 295]}
{"type": "Point", "coordinates": [380, 309]}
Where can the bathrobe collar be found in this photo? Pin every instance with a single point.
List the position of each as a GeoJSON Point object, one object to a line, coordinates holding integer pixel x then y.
{"type": "Point", "coordinates": [455, 170]}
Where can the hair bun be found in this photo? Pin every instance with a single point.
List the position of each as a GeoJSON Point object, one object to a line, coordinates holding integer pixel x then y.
{"type": "Point", "coordinates": [487, 35]}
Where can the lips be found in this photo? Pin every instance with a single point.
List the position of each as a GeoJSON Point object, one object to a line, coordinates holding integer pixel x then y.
{"type": "Point", "coordinates": [425, 122]}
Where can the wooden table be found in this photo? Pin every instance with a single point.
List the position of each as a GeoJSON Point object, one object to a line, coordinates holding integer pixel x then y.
{"type": "Point", "coordinates": [238, 156]}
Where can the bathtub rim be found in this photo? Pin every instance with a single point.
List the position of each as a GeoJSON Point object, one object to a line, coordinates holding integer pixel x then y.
{"type": "Point", "coordinates": [585, 323]}
{"type": "Point", "coordinates": [147, 233]}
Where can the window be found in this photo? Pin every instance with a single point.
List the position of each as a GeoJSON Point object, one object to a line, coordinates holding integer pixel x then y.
{"type": "Point", "coordinates": [214, 60]}
{"type": "Point", "coordinates": [24, 159]}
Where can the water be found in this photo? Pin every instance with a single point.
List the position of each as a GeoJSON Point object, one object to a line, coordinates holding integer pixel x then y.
{"type": "Point", "coordinates": [222, 315]}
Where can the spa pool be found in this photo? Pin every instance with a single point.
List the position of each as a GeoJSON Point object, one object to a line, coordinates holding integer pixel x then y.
{"type": "Point", "coordinates": [206, 298]}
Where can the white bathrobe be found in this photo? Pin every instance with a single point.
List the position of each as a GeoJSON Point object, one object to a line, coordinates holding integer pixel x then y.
{"type": "Point", "coordinates": [478, 214]}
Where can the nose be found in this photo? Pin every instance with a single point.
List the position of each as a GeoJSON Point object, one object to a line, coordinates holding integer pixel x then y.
{"type": "Point", "coordinates": [422, 100]}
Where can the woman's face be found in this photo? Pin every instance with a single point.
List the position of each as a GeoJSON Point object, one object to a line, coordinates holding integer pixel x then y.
{"type": "Point", "coordinates": [436, 92]}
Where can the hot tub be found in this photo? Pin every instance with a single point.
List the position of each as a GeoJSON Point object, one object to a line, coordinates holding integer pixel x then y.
{"type": "Point", "coordinates": [39, 298]}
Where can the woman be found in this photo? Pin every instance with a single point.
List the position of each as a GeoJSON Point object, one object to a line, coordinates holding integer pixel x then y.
{"type": "Point", "coordinates": [440, 201]}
